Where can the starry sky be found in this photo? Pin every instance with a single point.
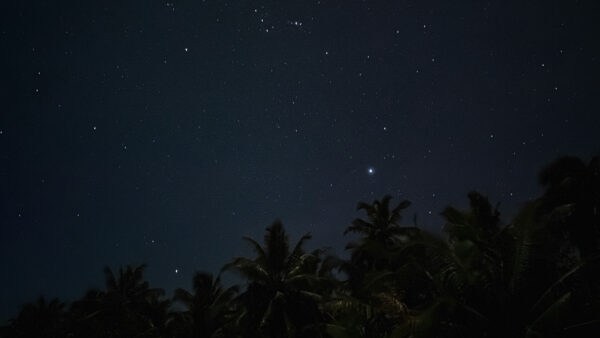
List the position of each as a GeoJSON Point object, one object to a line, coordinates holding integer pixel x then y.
{"type": "Point", "coordinates": [161, 132]}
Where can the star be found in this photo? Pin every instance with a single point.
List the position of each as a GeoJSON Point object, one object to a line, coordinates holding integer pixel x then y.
{"type": "Point", "coordinates": [371, 171]}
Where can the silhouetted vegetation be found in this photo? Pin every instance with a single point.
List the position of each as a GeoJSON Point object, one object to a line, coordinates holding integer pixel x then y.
{"type": "Point", "coordinates": [536, 276]}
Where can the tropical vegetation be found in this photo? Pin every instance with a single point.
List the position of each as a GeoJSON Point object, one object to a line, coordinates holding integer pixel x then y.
{"type": "Point", "coordinates": [534, 276]}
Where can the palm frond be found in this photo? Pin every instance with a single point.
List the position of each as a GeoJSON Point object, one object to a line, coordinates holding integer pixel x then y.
{"type": "Point", "coordinates": [553, 313]}
{"type": "Point", "coordinates": [255, 246]}
{"type": "Point", "coordinates": [522, 231]}
{"type": "Point", "coordinates": [183, 296]}
{"type": "Point", "coordinates": [555, 285]}
{"type": "Point", "coordinates": [247, 268]}
{"type": "Point", "coordinates": [298, 250]}
{"type": "Point", "coordinates": [359, 226]}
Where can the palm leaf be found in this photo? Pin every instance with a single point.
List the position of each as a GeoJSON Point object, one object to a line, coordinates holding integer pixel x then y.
{"type": "Point", "coordinates": [247, 268]}
{"type": "Point", "coordinates": [553, 313]}
{"type": "Point", "coordinates": [255, 246]}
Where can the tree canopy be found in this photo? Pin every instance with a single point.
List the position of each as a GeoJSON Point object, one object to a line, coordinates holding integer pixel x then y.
{"type": "Point", "coordinates": [532, 276]}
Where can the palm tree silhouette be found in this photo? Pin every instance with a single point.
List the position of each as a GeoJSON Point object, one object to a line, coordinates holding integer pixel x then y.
{"type": "Point", "coordinates": [279, 300]}
{"type": "Point", "coordinates": [534, 276]}
{"type": "Point", "coordinates": [379, 232]}
{"type": "Point", "coordinates": [500, 281]}
{"type": "Point", "coordinates": [382, 224]}
{"type": "Point", "coordinates": [209, 308]}
{"type": "Point", "coordinates": [572, 202]}
{"type": "Point", "coordinates": [573, 196]}
{"type": "Point", "coordinates": [38, 319]}
{"type": "Point", "coordinates": [128, 307]}
{"type": "Point", "coordinates": [370, 269]}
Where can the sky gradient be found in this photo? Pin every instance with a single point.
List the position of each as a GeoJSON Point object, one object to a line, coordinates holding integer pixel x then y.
{"type": "Point", "coordinates": [162, 132]}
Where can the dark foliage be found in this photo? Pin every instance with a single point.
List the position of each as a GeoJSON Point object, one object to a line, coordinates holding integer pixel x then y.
{"type": "Point", "coordinates": [535, 276]}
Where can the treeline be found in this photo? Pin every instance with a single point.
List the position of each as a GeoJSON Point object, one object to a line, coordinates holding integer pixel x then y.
{"type": "Point", "coordinates": [537, 276]}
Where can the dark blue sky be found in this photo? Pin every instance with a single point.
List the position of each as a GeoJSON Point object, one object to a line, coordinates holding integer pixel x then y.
{"type": "Point", "coordinates": [162, 132]}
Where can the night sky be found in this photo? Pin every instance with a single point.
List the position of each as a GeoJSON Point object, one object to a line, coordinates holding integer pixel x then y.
{"type": "Point", "coordinates": [162, 132]}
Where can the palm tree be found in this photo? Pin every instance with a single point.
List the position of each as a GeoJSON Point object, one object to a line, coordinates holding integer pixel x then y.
{"type": "Point", "coordinates": [573, 195]}
{"type": "Point", "coordinates": [572, 202]}
{"type": "Point", "coordinates": [380, 232]}
{"type": "Point", "coordinates": [371, 303]}
{"type": "Point", "coordinates": [38, 319]}
{"type": "Point", "coordinates": [382, 224]}
{"type": "Point", "coordinates": [128, 307]}
{"type": "Point", "coordinates": [499, 281]}
{"type": "Point", "coordinates": [474, 238]}
{"type": "Point", "coordinates": [209, 308]}
{"type": "Point", "coordinates": [279, 300]}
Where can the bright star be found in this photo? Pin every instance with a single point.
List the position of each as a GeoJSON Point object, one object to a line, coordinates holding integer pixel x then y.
{"type": "Point", "coordinates": [371, 171]}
